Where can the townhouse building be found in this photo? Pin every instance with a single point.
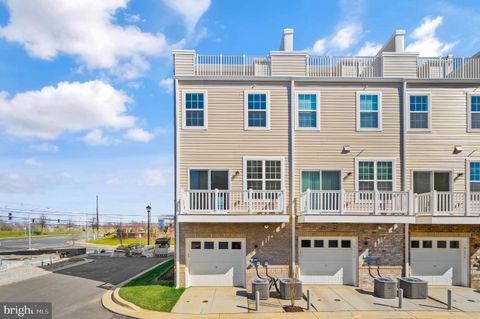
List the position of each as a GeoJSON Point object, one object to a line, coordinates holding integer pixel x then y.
{"type": "Point", "coordinates": [332, 169]}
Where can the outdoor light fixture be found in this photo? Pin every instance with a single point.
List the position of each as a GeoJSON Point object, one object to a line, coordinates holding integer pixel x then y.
{"type": "Point", "coordinates": [149, 209]}
{"type": "Point", "coordinates": [346, 149]}
{"type": "Point", "coordinates": [457, 149]}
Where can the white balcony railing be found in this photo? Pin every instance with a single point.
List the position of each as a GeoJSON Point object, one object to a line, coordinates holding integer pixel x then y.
{"type": "Point", "coordinates": [359, 202]}
{"type": "Point", "coordinates": [232, 201]}
{"type": "Point", "coordinates": [448, 68]}
{"type": "Point", "coordinates": [232, 65]}
{"type": "Point", "coordinates": [390, 203]}
{"type": "Point", "coordinates": [344, 66]}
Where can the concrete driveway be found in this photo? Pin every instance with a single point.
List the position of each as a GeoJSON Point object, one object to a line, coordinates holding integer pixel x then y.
{"type": "Point", "coordinates": [463, 298]}
{"type": "Point", "coordinates": [205, 300]}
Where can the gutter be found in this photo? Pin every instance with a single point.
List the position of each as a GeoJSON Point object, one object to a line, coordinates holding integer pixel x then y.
{"type": "Point", "coordinates": [403, 163]}
{"type": "Point", "coordinates": [176, 169]}
{"type": "Point", "coordinates": [292, 175]}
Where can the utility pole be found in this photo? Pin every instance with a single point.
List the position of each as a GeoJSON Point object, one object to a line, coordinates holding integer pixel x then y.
{"type": "Point", "coordinates": [86, 226]}
{"type": "Point", "coordinates": [97, 218]}
{"type": "Point", "coordinates": [29, 233]}
{"type": "Point", "coordinates": [149, 208]}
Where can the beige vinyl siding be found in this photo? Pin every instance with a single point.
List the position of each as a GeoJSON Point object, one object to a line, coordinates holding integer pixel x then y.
{"type": "Point", "coordinates": [225, 142]}
{"type": "Point", "coordinates": [434, 150]}
{"type": "Point", "coordinates": [184, 63]}
{"type": "Point", "coordinates": [323, 149]}
{"type": "Point", "coordinates": [285, 64]}
{"type": "Point", "coordinates": [400, 65]}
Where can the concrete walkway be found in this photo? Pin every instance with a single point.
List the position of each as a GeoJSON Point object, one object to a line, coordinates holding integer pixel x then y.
{"type": "Point", "coordinates": [464, 299]}
{"type": "Point", "coordinates": [205, 300]}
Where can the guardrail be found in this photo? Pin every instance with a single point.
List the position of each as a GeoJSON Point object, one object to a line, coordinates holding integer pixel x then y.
{"type": "Point", "coordinates": [232, 65]}
{"type": "Point", "coordinates": [344, 66]}
{"type": "Point", "coordinates": [448, 68]}
{"type": "Point", "coordinates": [232, 201]}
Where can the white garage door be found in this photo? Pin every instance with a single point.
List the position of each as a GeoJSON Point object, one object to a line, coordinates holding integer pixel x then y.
{"type": "Point", "coordinates": [215, 262]}
{"type": "Point", "coordinates": [328, 260]}
{"type": "Point", "coordinates": [440, 261]}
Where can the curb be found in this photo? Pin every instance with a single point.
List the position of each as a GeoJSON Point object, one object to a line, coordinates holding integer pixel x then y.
{"type": "Point", "coordinates": [123, 283]}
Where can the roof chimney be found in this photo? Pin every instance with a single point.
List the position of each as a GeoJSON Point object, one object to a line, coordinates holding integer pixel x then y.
{"type": "Point", "coordinates": [399, 41]}
{"type": "Point", "coordinates": [287, 40]}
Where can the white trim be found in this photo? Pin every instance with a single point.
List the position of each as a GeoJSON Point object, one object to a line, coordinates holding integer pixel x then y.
{"type": "Point", "coordinates": [320, 170]}
{"type": "Point", "coordinates": [245, 110]}
{"type": "Point", "coordinates": [205, 110]}
{"type": "Point", "coordinates": [357, 108]}
{"type": "Point", "coordinates": [429, 111]}
{"type": "Point", "coordinates": [233, 218]}
{"type": "Point", "coordinates": [209, 176]}
{"type": "Point", "coordinates": [469, 113]}
{"type": "Point", "coordinates": [317, 111]}
{"type": "Point", "coordinates": [375, 160]}
{"type": "Point", "coordinates": [354, 219]}
{"type": "Point", "coordinates": [187, 255]}
{"type": "Point", "coordinates": [263, 159]}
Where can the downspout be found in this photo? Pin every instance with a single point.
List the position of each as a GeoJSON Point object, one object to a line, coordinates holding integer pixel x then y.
{"type": "Point", "coordinates": [292, 175]}
{"type": "Point", "coordinates": [403, 160]}
{"type": "Point", "coordinates": [176, 203]}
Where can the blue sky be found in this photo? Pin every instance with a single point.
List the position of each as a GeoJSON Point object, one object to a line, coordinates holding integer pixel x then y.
{"type": "Point", "coordinates": [86, 103]}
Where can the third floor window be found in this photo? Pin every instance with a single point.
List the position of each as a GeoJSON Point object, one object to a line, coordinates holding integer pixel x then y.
{"type": "Point", "coordinates": [419, 112]}
{"type": "Point", "coordinates": [474, 112]}
{"type": "Point", "coordinates": [195, 110]}
{"type": "Point", "coordinates": [369, 111]}
{"type": "Point", "coordinates": [308, 112]}
{"type": "Point", "coordinates": [257, 111]}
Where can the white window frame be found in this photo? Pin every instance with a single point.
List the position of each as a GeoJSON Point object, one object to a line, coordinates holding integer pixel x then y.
{"type": "Point", "coordinates": [375, 180]}
{"type": "Point", "coordinates": [209, 175]}
{"type": "Point", "coordinates": [245, 110]}
{"type": "Point", "coordinates": [432, 176]}
{"type": "Point", "coordinates": [297, 111]}
{"type": "Point", "coordinates": [469, 113]}
{"type": "Point", "coordinates": [320, 170]}
{"type": "Point", "coordinates": [467, 170]}
{"type": "Point", "coordinates": [357, 102]}
{"type": "Point", "coordinates": [429, 111]}
{"type": "Point", "coordinates": [184, 110]}
{"type": "Point", "coordinates": [263, 159]}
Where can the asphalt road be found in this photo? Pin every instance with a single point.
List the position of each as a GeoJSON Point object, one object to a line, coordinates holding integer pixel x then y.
{"type": "Point", "coordinates": [76, 292]}
{"type": "Point", "coordinates": [38, 242]}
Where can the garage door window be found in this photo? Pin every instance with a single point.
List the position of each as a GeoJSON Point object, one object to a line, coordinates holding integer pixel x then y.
{"type": "Point", "coordinates": [196, 245]}
{"type": "Point", "coordinates": [346, 244]}
{"type": "Point", "coordinates": [318, 243]}
{"type": "Point", "coordinates": [333, 244]}
{"type": "Point", "coordinates": [415, 244]}
{"type": "Point", "coordinates": [223, 245]}
{"type": "Point", "coordinates": [208, 245]}
{"type": "Point", "coordinates": [442, 244]}
{"type": "Point", "coordinates": [236, 245]}
{"type": "Point", "coordinates": [427, 244]}
{"type": "Point", "coordinates": [454, 244]}
{"type": "Point", "coordinates": [306, 243]}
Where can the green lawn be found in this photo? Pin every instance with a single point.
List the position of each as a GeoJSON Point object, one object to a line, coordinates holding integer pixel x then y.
{"type": "Point", "coordinates": [10, 233]}
{"type": "Point", "coordinates": [115, 241]}
{"type": "Point", "coordinates": [148, 293]}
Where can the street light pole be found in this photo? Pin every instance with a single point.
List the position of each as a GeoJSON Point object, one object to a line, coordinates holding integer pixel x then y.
{"type": "Point", "coordinates": [149, 208]}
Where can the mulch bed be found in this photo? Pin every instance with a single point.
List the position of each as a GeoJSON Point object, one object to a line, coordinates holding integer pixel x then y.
{"type": "Point", "coordinates": [292, 309]}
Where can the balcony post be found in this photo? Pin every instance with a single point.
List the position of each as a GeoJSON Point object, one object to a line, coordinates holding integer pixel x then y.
{"type": "Point", "coordinates": [375, 202]}
{"type": "Point", "coordinates": [243, 64]}
{"type": "Point", "coordinates": [411, 203]}
{"type": "Point", "coordinates": [250, 194]}
{"type": "Point", "coordinates": [215, 199]}
{"type": "Point", "coordinates": [221, 64]}
{"type": "Point", "coordinates": [466, 201]}
{"type": "Point", "coordinates": [183, 202]}
{"type": "Point", "coordinates": [341, 200]}
{"type": "Point", "coordinates": [433, 202]}
{"type": "Point", "coordinates": [309, 192]}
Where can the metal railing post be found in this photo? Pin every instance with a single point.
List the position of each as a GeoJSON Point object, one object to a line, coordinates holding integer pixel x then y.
{"type": "Point", "coordinates": [257, 300]}
{"type": "Point", "coordinates": [309, 297]}
{"type": "Point", "coordinates": [449, 299]}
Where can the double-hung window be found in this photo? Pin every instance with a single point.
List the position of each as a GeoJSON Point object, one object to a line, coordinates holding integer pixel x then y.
{"type": "Point", "coordinates": [474, 175]}
{"type": "Point", "coordinates": [474, 112]}
{"type": "Point", "coordinates": [369, 111]}
{"type": "Point", "coordinates": [419, 112]}
{"type": "Point", "coordinates": [375, 175]}
{"type": "Point", "coordinates": [308, 113]}
{"type": "Point", "coordinates": [257, 110]}
{"type": "Point", "coordinates": [263, 174]}
{"type": "Point", "coordinates": [195, 109]}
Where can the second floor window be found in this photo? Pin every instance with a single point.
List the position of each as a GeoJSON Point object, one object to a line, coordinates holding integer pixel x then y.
{"type": "Point", "coordinates": [195, 108]}
{"type": "Point", "coordinates": [375, 175]}
{"type": "Point", "coordinates": [308, 113]}
{"type": "Point", "coordinates": [475, 176]}
{"type": "Point", "coordinates": [474, 112]}
{"type": "Point", "coordinates": [256, 110]}
{"type": "Point", "coordinates": [419, 112]}
{"type": "Point", "coordinates": [369, 111]}
{"type": "Point", "coordinates": [263, 174]}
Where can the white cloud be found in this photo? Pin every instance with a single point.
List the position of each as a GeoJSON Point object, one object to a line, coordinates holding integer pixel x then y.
{"type": "Point", "coordinates": [154, 177]}
{"type": "Point", "coordinates": [167, 84]}
{"type": "Point", "coordinates": [319, 46]}
{"type": "Point", "coordinates": [34, 162]}
{"type": "Point", "coordinates": [344, 38]}
{"type": "Point", "coordinates": [46, 147]}
{"type": "Point", "coordinates": [85, 29]}
{"type": "Point", "coordinates": [369, 49]}
{"type": "Point", "coordinates": [425, 40]}
{"type": "Point", "coordinates": [113, 181]}
{"type": "Point", "coordinates": [96, 138]}
{"type": "Point", "coordinates": [67, 107]}
{"type": "Point", "coordinates": [190, 10]}
{"type": "Point", "coordinates": [138, 135]}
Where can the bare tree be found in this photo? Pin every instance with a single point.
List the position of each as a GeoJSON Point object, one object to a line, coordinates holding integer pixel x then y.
{"type": "Point", "coordinates": [42, 221]}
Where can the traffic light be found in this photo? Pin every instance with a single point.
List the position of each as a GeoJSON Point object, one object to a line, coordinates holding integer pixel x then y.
{"type": "Point", "coordinates": [33, 220]}
{"type": "Point", "coordinates": [58, 220]}
{"type": "Point", "coordinates": [9, 216]}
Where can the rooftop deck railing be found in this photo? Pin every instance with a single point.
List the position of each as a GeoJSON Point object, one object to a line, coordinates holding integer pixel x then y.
{"type": "Point", "coordinates": [337, 66]}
